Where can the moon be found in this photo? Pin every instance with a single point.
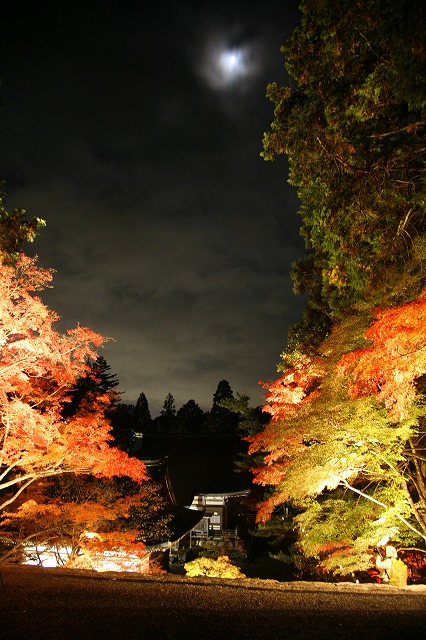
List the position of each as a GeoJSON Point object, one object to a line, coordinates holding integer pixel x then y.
{"type": "Point", "coordinates": [226, 68]}
{"type": "Point", "coordinates": [232, 63]}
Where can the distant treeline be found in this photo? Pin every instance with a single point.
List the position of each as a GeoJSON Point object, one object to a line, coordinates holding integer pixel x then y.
{"type": "Point", "coordinates": [228, 414]}
{"type": "Point", "coordinates": [189, 419]}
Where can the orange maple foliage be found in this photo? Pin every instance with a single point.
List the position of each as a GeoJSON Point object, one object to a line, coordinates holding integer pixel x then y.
{"type": "Point", "coordinates": [117, 550]}
{"type": "Point", "coordinates": [39, 367]}
{"type": "Point", "coordinates": [85, 534]}
{"type": "Point", "coordinates": [295, 387]}
{"type": "Point", "coordinates": [389, 367]}
{"type": "Point", "coordinates": [33, 517]}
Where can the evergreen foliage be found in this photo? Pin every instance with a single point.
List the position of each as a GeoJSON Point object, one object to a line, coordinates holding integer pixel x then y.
{"type": "Point", "coordinates": [353, 131]}
{"type": "Point", "coordinates": [96, 381]}
{"type": "Point", "coordinates": [141, 416]}
{"type": "Point", "coordinates": [149, 516]}
{"type": "Point", "coordinates": [220, 419]}
{"type": "Point", "coordinates": [166, 421]}
{"type": "Point", "coordinates": [15, 230]}
{"type": "Point", "coordinates": [190, 418]}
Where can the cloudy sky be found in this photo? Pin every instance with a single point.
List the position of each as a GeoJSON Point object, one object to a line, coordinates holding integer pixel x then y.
{"type": "Point", "coordinates": [135, 131]}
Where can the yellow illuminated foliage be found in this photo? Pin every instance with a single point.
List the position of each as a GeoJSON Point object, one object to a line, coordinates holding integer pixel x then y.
{"type": "Point", "coordinates": [221, 567]}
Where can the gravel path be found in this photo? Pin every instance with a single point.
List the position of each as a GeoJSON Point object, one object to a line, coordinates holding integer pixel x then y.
{"type": "Point", "coordinates": [47, 604]}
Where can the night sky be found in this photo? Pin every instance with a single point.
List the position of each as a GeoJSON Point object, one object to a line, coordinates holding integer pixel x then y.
{"type": "Point", "coordinates": [135, 131]}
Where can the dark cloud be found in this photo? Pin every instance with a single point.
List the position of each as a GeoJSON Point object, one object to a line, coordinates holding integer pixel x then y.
{"type": "Point", "coordinates": [168, 231]}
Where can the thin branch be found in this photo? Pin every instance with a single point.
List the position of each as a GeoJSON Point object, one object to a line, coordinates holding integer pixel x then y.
{"type": "Point", "coordinates": [381, 504]}
{"type": "Point", "coordinates": [13, 498]}
{"type": "Point", "coordinates": [415, 481]}
{"type": "Point", "coordinates": [8, 470]}
{"type": "Point", "coordinates": [44, 474]}
{"type": "Point", "coordinates": [30, 358]}
{"type": "Point", "coordinates": [414, 456]}
{"type": "Point", "coordinates": [17, 545]}
{"type": "Point", "coordinates": [410, 128]}
{"type": "Point", "coordinates": [403, 223]}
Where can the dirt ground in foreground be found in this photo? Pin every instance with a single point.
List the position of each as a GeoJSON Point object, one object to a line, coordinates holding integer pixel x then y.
{"type": "Point", "coordinates": [61, 604]}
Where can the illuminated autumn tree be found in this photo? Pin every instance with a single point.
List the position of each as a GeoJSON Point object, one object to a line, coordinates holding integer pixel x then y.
{"type": "Point", "coordinates": [346, 441]}
{"type": "Point", "coordinates": [39, 369]}
{"type": "Point", "coordinates": [87, 515]}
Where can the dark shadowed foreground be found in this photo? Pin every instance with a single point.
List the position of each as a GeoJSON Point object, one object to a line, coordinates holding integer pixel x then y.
{"type": "Point", "coordinates": [38, 604]}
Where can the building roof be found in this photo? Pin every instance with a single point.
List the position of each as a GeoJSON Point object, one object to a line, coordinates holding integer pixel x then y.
{"type": "Point", "coordinates": [183, 520]}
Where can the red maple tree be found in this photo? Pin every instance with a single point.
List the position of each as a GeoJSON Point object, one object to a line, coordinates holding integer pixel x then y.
{"type": "Point", "coordinates": [97, 521]}
{"type": "Point", "coordinates": [39, 367]}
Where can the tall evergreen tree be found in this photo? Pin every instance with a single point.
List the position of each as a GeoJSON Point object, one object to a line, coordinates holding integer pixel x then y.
{"type": "Point", "coordinates": [249, 422]}
{"type": "Point", "coordinates": [223, 392]}
{"type": "Point", "coordinates": [166, 421]}
{"type": "Point", "coordinates": [220, 418]}
{"type": "Point", "coordinates": [96, 381]}
{"type": "Point", "coordinates": [190, 418]}
{"type": "Point", "coordinates": [169, 406]}
{"type": "Point", "coordinates": [141, 418]}
{"type": "Point", "coordinates": [353, 131]}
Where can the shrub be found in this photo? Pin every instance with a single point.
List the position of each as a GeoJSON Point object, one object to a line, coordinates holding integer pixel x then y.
{"type": "Point", "coordinates": [222, 567]}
